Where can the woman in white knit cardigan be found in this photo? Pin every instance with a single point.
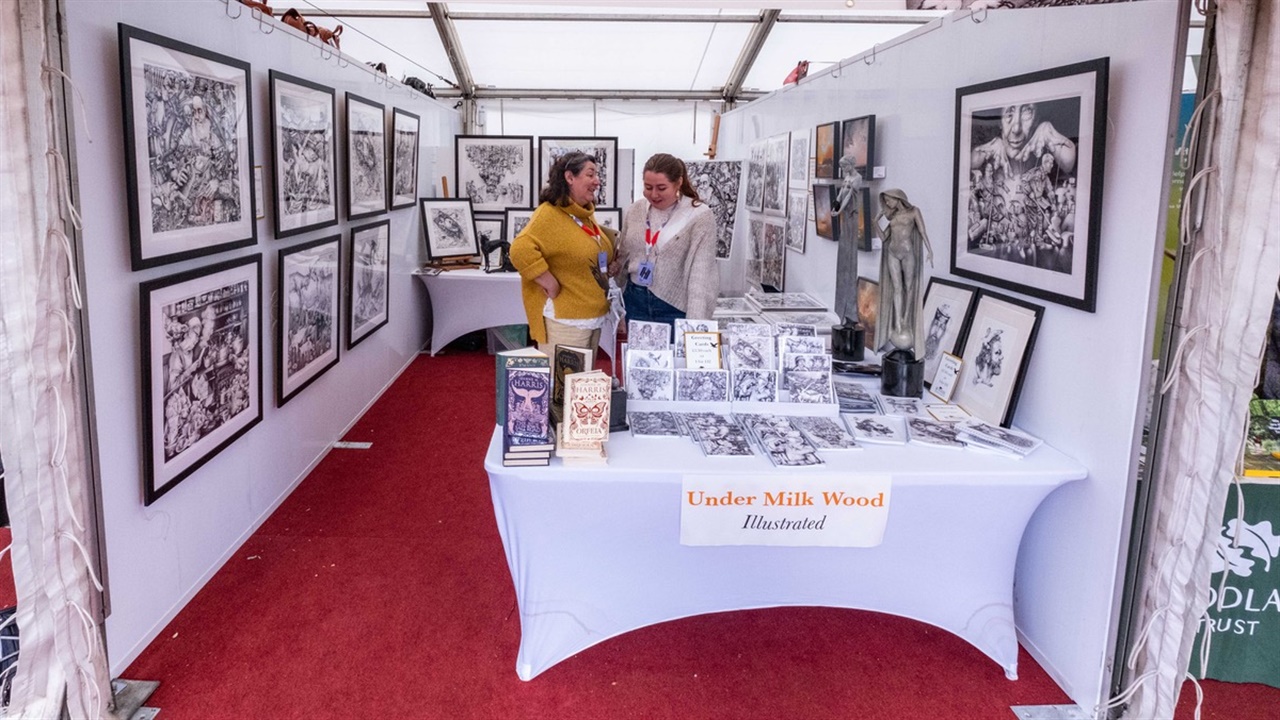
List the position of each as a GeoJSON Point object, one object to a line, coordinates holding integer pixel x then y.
{"type": "Point", "coordinates": [667, 248]}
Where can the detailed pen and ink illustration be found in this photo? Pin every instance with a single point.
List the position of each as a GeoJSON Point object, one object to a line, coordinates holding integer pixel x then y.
{"type": "Point", "coordinates": [755, 384]}
{"type": "Point", "coordinates": [495, 171]}
{"type": "Point", "coordinates": [603, 149]}
{"type": "Point", "coordinates": [404, 158]}
{"type": "Point", "coordinates": [449, 227]}
{"type": "Point", "coordinates": [717, 183]}
{"type": "Point", "coordinates": [773, 254]}
{"type": "Point", "coordinates": [302, 137]}
{"type": "Point", "coordinates": [369, 300]}
{"type": "Point", "coordinates": [702, 385]}
{"type": "Point", "coordinates": [650, 383]}
{"type": "Point", "coordinates": [308, 315]}
{"type": "Point", "coordinates": [366, 157]}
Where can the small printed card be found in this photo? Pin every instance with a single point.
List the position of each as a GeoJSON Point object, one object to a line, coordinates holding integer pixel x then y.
{"type": "Point", "coordinates": [648, 335]}
{"type": "Point", "coordinates": [702, 350]}
{"type": "Point", "coordinates": [948, 413]}
{"type": "Point", "coordinates": [945, 379]}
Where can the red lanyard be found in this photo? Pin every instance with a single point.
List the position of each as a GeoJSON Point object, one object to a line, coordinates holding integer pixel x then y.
{"type": "Point", "coordinates": [651, 237]}
{"type": "Point", "coordinates": [592, 232]}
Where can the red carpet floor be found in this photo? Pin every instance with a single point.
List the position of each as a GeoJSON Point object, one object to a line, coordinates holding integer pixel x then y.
{"type": "Point", "coordinates": [379, 589]}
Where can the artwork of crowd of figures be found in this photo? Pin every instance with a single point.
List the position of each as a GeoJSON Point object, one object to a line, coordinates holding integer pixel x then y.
{"type": "Point", "coordinates": [503, 173]}
{"type": "Point", "coordinates": [449, 236]}
{"type": "Point", "coordinates": [310, 282]}
{"type": "Point", "coordinates": [306, 142]}
{"type": "Point", "coordinates": [717, 183]}
{"type": "Point", "coordinates": [206, 364]}
{"type": "Point", "coordinates": [368, 277]}
{"type": "Point", "coordinates": [602, 154]}
{"type": "Point", "coordinates": [368, 165]}
{"type": "Point", "coordinates": [193, 150]}
{"type": "Point", "coordinates": [775, 174]}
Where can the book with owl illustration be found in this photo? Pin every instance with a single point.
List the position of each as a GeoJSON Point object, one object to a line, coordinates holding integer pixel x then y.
{"type": "Point", "coordinates": [529, 402]}
{"type": "Point", "coordinates": [586, 410]}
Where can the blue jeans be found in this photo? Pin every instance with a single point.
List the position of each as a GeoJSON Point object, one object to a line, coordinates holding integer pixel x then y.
{"type": "Point", "coordinates": [642, 304]}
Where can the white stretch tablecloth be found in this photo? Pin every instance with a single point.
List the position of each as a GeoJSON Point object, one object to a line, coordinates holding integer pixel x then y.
{"type": "Point", "coordinates": [463, 301]}
{"type": "Point", "coordinates": [595, 552]}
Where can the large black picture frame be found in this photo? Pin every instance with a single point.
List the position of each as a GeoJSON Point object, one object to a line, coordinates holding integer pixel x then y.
{"type": "Point", "coordinates": [305, 154]}
{"type": "Point", "coordinates": [308, 288]}
{"type": "Point", "coordinates": [858, 138]}
{"type": "Point", "coordinates": [201, 334]}
{"type": "Point", "coordinates": [188, 140]}
{"type": "Point", "coordinates": [604, 149]}
{"type": "Point", "coordinates": [495, 171]}
{"type": "Point", "coordinates": [449, 228]}
{"type": "Point", "coordinates": [368, 281]}
{"type": "Point", "coordinates": [366, 158]}
{"type": "Point", "coordinates": [405, 129]}
{"type": "Point", "coordinates": [1029, 159]}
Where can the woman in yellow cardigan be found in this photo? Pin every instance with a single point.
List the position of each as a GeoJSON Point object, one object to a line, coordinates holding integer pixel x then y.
{"type": "Point", "coordinates": [563, 258]}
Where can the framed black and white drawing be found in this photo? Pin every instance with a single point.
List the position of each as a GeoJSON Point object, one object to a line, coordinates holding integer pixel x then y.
{"type": "Point", "coordinates": [797, 214]}
{"type": "Point", "coordinates": [368, 276]}
{"type": "Point", "coordinates": [306, 315]}
{"type": "Point", "coordinates": [798, 172]}
{"type": "Point", "coordinates": [305, 193]}
{"type": "Point", "coordinates": [603, 149]}
{"type": "Point", "coordinates": [366, 157]}
{"type": "Point", "coordinates": [948, 307]}
{"type": "Point", "coordinates": [997, 350]}
{"type": "Point", "coordinates": [773, 255]}
{"type": "Point", "coordinates": [404, 158]}
{"type": "Point", "coordinates": [495, 171]}
{"type": "Point", "coordinates": [858, 140]}
{"type": "Point", "coordinates": [610, 218]}
{"type": "Point", "coordinates": [516, 220]}
{"type": "Point", "coordinates": [775, 174]}
{"type": "Point", "coordinates": [826, 138]}
{"type": "Point", "coordinates": [449, 227]}
{"type": "Point", "coordinates": [717, 183]}
{"type": "Point", "coordinates": [201, 367]}
{"type": "Point", "coordinates": [1028, 182]}
{"type": "Point", "coordinates": [755, 175]}
{"type": "Point", "coordinates": [188, 149]}
{"type": "Point", "coordinates": [488, 232]}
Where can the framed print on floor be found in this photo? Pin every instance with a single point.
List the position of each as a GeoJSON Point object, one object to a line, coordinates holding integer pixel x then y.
{"type": "Point", "coordinates": [495, 171]}
{"type": "Point", "coordinates": [188, 145]}
{"type": "Point", "coordinates": [948, 307]}
{"type": "Point", "coordinates": [366, 157]}
{"type": "Point", "coordinates": [997, 350]}
{"type": "Point", "coordinates": [449, 227]}
{"type": "Point", "coordinates": [368, 274]}
{"type": "Point", "coordinates": [302, 145]}
{"type": "Point", "coordinates": [603, 149]}
{"type": "Point", "coordinates": [1028, 182]}
{"type": "Point", "coordinates": [404, 158]}
{"type": "Point", "coordinates": [201, 367]}
{"type": "Point", "coordinates": [307, 314]}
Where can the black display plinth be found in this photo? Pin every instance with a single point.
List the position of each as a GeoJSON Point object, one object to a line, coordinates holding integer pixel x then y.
{"type": "Point", "coordinates": [901, 374]}
{"type": "Point", "coordinates": [848, 341]}
{"type": "Point", "coordinates": [618, 410]}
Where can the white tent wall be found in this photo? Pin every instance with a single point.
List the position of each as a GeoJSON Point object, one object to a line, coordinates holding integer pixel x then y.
{"type": "Point", "coordinates": [158, 557]}
{"type": "Point", "coordinates": [1084, 391]}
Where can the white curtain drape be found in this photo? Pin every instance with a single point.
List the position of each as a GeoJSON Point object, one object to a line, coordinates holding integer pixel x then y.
{"type": "Point", "coordinates": [1231, 284]}
{"type": "Point", "coordinates": [41, 398]}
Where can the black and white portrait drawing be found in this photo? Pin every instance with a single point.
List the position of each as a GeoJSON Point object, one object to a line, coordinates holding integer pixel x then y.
{"type": "Point", "coordinates": [643, 335]}
{"type": "Point", "coordinates": [653, 424]}
{"type": "Point", "coordinates": [754, 384]}
{"type": "Point", "coordinates": [702, 385]}
{"type": "Point", "coordinates": [307, 319]}
{"type": "Point", "coordinates": [878, 429]}
{"type": "Point", "coordinates": [450, 229]}
{"type": "Point", "coordinates": [717, 183]}
{"type": "Point", "coordinates": [516, 220]}
{"type": "Point", "coordinates": [368, 299]}
{"type": "Point", "coordinates": [947, 306]}
{"type": "Point", "coordinates": [756, 154]}
{"type": "Point", "coordinates": [188, 149]}
{"type": "Point", "coordinates": [750, 352]}
{"type": "Point", "coordinates": [202, 366]}
{"type": "Point", "coordinates": [404, 158]}
{"type": "Point", "coordinates": [495, 171]}
{"type": "Point", "coordinates": [997, 349]}
{"type": "Point", "coordinates": [773, 254]}
{"type": "Point", "coordinates": [366, 157]}
{"type": "Point", "coordinates": [1028, 181]}
{"type": "Point", "coordinates": [804, 362]}
{"type": "Point", "coordinates": [798, 174]}
{"type": "Point", "coordinates": [797, 225]}
{"type": "Point", "coordinates": [303, 144]}
{"type": "Point", "coordinates": [931, 432]}
{"type": "Point", "coordinates": [650, 383]}
{"type": "Point", "coordinates": [603, 149]}
{"type": "Point", "coordinates": [776, 150]}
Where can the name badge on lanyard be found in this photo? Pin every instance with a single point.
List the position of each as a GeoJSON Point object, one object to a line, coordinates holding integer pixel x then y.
{"type": "Point", "coordinates": [602, 257]}
{"type": "Point", "coordinates": [644, 274]}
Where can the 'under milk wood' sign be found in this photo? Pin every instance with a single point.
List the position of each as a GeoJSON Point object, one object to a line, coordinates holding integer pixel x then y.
{"type": "Point", "coordinates": [838, 510]}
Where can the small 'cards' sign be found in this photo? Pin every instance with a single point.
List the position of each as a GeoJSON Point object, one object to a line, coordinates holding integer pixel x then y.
{"type": "Point", "coordinates": [836, 510]}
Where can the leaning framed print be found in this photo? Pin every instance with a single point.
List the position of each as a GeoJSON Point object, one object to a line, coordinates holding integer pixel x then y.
{"type": "Point", "coordinates": [404, 158]}
{"type": "Point", "coordinates": [188, 144]}
{"type": "Point", "coordinates": [368, 274]}
{"type": "Point", "coordinates": [495, 171]}
{"type": "Point", "coordinates": [997, 351]}
{"type": "Point", "coordinates": [307, 314]}
{"type": "Point", "coordinates": [825, 139]}
{"type": "Point", "coordinates": [303, 116]}
{"type": "Point", "coordinates": [516, 220]}
{"type": "Point", "coordinates": [858, 140]}
{"type": "Point", "coordinates": [449, 227]}
{"type": "Point", "coordinates": [1028, 182]}
{"type": "Point", "coordinates": [201, 367]}
{"type": "Point", "coordinates": [603, 149]}
{"type": "Point", "coordinates": [366, 157]}
{"type": "Point", "coordinates": [948, 307]}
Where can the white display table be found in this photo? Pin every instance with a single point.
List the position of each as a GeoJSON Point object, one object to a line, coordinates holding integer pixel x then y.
{"type": "Point", "coordinates": [595, 552]}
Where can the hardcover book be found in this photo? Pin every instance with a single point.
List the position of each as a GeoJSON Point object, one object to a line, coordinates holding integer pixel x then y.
{"type": "Point", "coordinates": [568, 360]}
{"type": "Point", "coordinates": [586, 410]}
{"type": "Point", "coordinates": [530, 357]}
{"type": "Point", "coordinates": [529, 402]}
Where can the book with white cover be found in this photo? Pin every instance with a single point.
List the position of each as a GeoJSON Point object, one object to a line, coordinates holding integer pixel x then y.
{"type": "Point", "coordinates": [586, 410]}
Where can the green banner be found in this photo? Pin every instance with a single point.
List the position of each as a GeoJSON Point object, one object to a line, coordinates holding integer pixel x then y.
{"type": "Point", "coordinates": [1245, 611]}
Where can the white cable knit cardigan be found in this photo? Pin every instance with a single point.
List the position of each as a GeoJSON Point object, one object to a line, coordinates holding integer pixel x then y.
{"type": "Point", "coordinates": [685, 272]}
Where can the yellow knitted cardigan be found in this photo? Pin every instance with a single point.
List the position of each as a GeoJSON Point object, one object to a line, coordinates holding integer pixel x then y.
{"type": "Point", "coordinates": [553, 242]}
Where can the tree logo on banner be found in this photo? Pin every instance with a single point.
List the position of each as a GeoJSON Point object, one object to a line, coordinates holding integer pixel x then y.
{"type": "Point", "coordinates": [1257, 539]}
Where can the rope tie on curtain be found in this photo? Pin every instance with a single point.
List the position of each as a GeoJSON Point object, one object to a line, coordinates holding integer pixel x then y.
{"type": "Point", "coordinates": [58, 460]}
{"type": "Point", "coordinates": [93, 577]}
{"type": "Point", "coordinates": [88, 625]}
